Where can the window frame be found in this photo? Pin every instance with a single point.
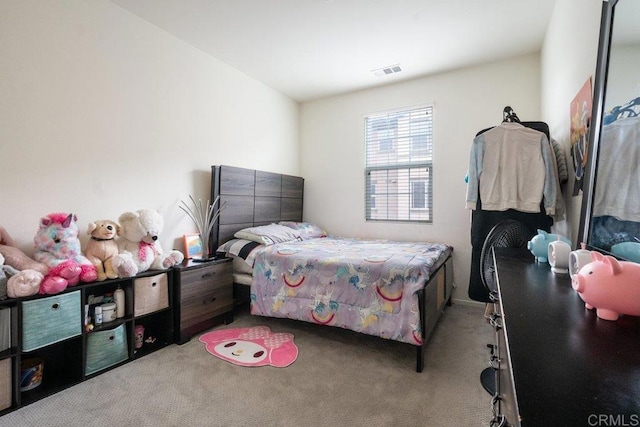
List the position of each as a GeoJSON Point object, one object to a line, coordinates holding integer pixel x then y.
{"type": "Point", "coordinates": [415, 163]}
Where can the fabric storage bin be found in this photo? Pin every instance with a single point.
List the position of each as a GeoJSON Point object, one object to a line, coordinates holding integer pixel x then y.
{"type": "Point", "coordinates": [151, 294]}
{"type": "Point", "coordinates": [5, 328]}
{"type": "Point", "coordinates": [5, 384]}
{"type": "Point", "coordinates": [106, 348]}
{"type": "Point", "coordinates": [49, 320]}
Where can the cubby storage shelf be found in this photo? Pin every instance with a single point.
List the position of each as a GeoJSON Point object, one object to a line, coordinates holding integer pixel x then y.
{"type": "Point", "coordinates": [168, 305]}
{"type": "Point", "coordinates": [9, 355]}
{"type": "Point", "coordinates": [59, 331]}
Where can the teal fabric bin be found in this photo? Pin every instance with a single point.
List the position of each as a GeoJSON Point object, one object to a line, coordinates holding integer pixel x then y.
{"type": "Point", "coordinates": [49, 320]}
{"type": "Point", "coordinates": [106, 348]}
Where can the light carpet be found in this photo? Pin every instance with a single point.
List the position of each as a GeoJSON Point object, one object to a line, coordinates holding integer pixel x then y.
{"type": "Point", "coordinates": [340, 378]}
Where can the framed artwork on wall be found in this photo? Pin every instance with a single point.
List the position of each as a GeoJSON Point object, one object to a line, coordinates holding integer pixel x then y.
{"type": "Point", "coordinates": [580, 111]}
{"type": "Point", "coordinates": [192, 246]}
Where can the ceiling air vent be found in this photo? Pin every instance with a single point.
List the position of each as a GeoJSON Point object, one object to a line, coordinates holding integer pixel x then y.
{"type": "Point", "coordinates": [386, 71]}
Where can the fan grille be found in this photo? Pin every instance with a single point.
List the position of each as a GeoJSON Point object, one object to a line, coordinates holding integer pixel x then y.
{"type": "Point", "coordinates": [505, 234]}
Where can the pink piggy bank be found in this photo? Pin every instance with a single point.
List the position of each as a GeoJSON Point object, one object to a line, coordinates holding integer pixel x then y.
{"type": "Point", "coordinates": [610, 286]}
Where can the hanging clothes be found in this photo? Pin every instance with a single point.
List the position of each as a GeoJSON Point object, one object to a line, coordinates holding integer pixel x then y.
{"type": "Point", "coordinates": [512, 175]}
{"type": "Point", "coordinates": [511, 167]}
{"type": "Point", "coordinates": [617, 192]}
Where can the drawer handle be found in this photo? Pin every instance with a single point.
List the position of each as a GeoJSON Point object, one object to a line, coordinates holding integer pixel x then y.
{"type": "Point", "coordinates": [55, 306]}
{"type": "Point", "coordinates": [498, 421]}
{"type": "Point", "coordinates": [492, 347]}
{"type": "Point", "coordinates": [212, 300]}
{"type": "Point", "coordinates": [111, 338]}
{"type": "Point", "coordinates": [494, 362]}
{"type": "Point", "coordinates": [495, 400]}
{"type": "Point", "coordinates": [493, 321]}
{"type": "Point", "coordinates": [208, 275]}
{"type": "Point", "coordinates": [153, 284]}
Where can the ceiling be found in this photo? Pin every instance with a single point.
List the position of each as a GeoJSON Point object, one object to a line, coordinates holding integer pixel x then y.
{"type": "Point", "coordinates": [310, 49]}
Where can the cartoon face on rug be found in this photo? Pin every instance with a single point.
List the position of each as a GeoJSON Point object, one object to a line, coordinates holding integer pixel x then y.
{"type": "Point", "coordinates": [245, 352]}
{"type": "Point", "coordinates": [256, 346]}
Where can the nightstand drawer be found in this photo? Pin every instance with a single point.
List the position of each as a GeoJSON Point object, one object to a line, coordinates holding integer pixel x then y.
{"type": "Point", "coordinates": [204, 293]}
{"type": "Point", "coordinates": [206, 306]}
{"type": "Point", "coordinates": [206, 279]}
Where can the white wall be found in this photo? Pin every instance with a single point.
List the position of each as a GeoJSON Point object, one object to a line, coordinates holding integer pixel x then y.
{"type": "Point", "coordinates": [465, 101]}
{"type": "Point", "coordinates": [102, 113]}
{"type": "Point", "coordinates": [624, 63]}
{"type": "Point", "coordinates": [568, 59]}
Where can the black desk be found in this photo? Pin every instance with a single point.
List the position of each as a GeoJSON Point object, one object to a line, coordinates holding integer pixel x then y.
{"type": "Point", "coordinates": [569, 367]}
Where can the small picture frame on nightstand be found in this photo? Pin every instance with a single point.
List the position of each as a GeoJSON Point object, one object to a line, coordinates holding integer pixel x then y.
{"type": "Point", "coordinates": [192, 246]}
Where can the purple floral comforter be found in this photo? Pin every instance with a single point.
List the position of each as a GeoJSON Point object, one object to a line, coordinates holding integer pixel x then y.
{"type": "Point", "coordinates": [368, 286]}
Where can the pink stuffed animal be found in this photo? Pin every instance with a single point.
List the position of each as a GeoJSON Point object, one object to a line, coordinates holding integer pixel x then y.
{"type": "Point", "coordinates": [23, 273]}
{"type": "Point", "coordinates": [15, 283]}
{"type": "Point", "coordinates": [15, 257]}
{"type": "Point", "coordinates": [57, 245]}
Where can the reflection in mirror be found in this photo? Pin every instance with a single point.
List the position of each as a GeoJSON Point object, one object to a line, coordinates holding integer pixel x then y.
{"type": "Point", "coordinates": [615, 217]}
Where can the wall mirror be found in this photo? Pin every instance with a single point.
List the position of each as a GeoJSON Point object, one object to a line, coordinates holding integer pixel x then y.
{"type": "Point", "coordinates": [610, 216]}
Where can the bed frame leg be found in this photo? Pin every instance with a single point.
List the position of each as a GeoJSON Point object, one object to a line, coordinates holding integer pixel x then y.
{"type": "Point", "coordinates": [419, 359]}
{"type": "Point", "coordinates": [419, 349]}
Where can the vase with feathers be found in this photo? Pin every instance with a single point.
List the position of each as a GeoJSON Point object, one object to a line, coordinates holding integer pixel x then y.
{"type": "Point", "coordinates": [204, 216]}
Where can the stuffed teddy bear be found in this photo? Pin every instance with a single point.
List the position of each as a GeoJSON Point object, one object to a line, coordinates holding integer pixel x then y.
{"type": "Point", "coordinates": [57, 246]}
{"type": "Point", "coordinates": [138, 246]}
{"type": "Point", "coordinates": [102, 247]}
{"type": "Point", "coordinates": [15, 283]}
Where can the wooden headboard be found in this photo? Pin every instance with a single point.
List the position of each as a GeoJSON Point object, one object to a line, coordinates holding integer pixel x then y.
{"type": "Point", "coordinates": [253, 198]}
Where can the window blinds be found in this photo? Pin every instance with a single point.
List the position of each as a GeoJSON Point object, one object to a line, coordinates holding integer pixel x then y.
{"type": "Point", "coordinates": [399, 170]}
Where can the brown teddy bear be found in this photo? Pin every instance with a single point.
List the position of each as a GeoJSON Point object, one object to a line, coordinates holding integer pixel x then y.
{"type": "Point", "coordinates": [102, 247]}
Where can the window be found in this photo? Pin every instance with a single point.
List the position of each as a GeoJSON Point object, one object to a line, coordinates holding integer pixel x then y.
{"type": "Point", "coordinates": [399, 170]}
{"type": "Point", "coordinates": [419, 194]}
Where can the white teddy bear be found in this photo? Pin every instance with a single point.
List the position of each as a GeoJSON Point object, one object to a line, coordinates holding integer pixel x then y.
{"type": "Point", "coordinates": [138, 246]}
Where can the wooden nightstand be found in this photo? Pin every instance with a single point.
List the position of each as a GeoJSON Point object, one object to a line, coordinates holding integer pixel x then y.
{"type": "Point", "coordinates": [204, 296]}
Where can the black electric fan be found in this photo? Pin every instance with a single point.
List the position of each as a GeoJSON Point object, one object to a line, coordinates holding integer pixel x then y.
{"type": "Point", "coordinates": [508, 233]}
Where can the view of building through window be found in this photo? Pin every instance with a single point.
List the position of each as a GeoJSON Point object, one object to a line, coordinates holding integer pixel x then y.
{"type": "Point", "coordinates": [399, 157]}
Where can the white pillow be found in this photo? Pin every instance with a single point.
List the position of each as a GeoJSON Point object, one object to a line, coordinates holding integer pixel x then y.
{"type": "Point", "coordinates": [268, 234]}
{"type": "Point", "coordinates": [307, 230]}
{"type": "Point", "coordinates": [241, 249]}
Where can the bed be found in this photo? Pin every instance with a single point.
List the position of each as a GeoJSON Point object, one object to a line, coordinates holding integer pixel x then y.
{"type": "Point", "coordinates": [289, 268]}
